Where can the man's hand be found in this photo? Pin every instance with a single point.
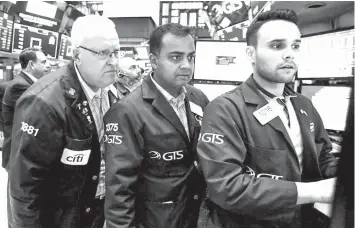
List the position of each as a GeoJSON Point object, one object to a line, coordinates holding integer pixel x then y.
{"type": "Point", "coordinates": [319, 191]}
{"type": "Point", "coordinates": [326, 190]}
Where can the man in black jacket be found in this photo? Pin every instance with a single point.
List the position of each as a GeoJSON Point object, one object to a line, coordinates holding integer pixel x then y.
{"type": "Point", "coordinates": [34, 66]}
{"type": "Point", "coordinates": [57, 170]}
{"type": "Point", "coordinates": [152, 179]}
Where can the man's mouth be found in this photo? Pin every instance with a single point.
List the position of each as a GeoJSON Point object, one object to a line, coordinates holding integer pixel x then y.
{"type": "Point", "coordinates": [288, 66]}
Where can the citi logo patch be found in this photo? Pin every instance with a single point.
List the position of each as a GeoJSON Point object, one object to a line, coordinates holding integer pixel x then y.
{"type": "Point", "coordinates": [75, 157]}
{"type": "Point", "coordinates": [168, 156]}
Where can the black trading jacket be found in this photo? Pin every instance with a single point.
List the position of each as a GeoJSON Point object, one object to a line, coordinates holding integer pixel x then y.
{"type": "Point", "coordinates": [151, 179]}
{"type": "Point", "coordinates": [55, 156]}
{"type": "Point", "coordinates": [15, 88]}
{"type": "Point", "coordinates": [250, 169]}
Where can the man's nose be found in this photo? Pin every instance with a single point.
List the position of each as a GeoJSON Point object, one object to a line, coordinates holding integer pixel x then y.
{"type": "Point", "coordinates": [289, 54]}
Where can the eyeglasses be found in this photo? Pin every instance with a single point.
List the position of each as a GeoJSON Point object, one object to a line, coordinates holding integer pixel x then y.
{"type": "Point", "coordinates": [104, 54]}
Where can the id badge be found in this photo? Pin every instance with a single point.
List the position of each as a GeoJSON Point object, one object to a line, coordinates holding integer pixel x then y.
{"type": "Point", "coordinates": [268, 112]}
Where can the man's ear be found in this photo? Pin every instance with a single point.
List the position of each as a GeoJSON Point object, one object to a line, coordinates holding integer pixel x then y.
{"type": "Point", "coordinates": [30, 63]}
{"type": "Point", "coordinates": [76, 56]}
{"type": "Point", "coordinates": [250, 51]}
{"type": "Point", "coordinates": [153, 60]}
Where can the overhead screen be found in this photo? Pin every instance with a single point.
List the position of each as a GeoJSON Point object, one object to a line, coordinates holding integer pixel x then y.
{"type": "Point", "coordinates": [222, 60]}
{"type": "Point", "coordinates": [65, 48]}
{"type": "Point", "coordinates": [27, 36]}
{"type": "Point", "coordinates": [214, 90]}
{"type": "Point", "coordinates": [6, 24]}
{"type": "Point", "coordinates": [331, 102]}
{"type": "Point", "coordinates": [328, 56]}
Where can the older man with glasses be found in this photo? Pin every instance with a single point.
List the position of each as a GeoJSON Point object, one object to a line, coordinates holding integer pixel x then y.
{"type": "Point", "coordinates": [57, 169]}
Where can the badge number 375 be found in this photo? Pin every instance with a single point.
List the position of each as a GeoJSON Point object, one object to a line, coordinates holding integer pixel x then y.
{"type": "Point", "coordinates": [29, 129]}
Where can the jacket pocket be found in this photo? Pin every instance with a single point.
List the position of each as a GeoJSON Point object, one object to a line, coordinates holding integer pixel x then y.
{"type": "Point", "coordinates": [164, 214]}
{"type": "Point", "coordinates": [266, 162]}
{"type": "Point", "coordinates": [167, 155]}
{"type": "Point", "coordinates": [76, 151]}
{"type": "Point", "coordinates": [73, 167]}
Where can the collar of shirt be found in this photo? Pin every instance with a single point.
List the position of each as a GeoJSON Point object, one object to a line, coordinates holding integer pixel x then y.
{"type": "Point", "coordinates": [176, 101]}
{"type": "Point", "coordinates": [90, 94]}
{"type": "Point", "coordinates": [33, 78]}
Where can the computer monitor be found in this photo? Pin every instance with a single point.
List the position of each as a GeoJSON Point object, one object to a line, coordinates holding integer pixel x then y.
{"type": "Point", "coordinates": [65, 48]}
{"type": "Point", "coordinates": [331, 102]}
{"type": "Point", "coordinates": [26, 36]}
{"type": "Point", "coordinates": [6, 26]}
{"type": "Point", "coordinates": [338, 62]}
{"type": "Point", "coordinates": [222, 60]}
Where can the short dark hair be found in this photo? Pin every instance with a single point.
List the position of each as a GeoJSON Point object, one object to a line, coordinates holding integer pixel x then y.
{"type": "Point", "coordinates": [28, 54]}
{"type": "Point", "coordinates": [155, 41]}
{"type": "Point", "coordinates": [279, 14]}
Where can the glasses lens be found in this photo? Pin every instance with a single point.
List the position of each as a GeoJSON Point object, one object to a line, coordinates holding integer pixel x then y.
{"type": "Point", "coordinates": [103, 54]}
{"type": "Point", "coordinates": [116, 54]}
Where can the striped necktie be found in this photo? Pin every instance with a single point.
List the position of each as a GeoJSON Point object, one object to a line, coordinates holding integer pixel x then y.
{"type": "Point", "coordinates": [102, 106]}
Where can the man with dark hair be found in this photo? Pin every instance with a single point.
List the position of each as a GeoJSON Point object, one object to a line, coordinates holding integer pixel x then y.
{"type": "Point", "coordinates": [261, 142]}
{"type": "Point", "coordinates": [34, 66]}
{"type": "Point", "coordinates": [152, 177]}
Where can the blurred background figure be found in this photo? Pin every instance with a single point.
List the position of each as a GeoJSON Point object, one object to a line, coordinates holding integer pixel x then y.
{"type": "Point", "coordinates": [33, 65]}
{"type": "Point", "coordinates": [343, 205]}
{"type": "Point", "coordinates": [16, 70]}
{"type": "Point", "coordinates": [130, 76]}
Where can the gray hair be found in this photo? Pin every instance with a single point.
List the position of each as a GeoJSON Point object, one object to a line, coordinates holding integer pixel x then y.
{"type": "Point", "coordinates": [90, 26]}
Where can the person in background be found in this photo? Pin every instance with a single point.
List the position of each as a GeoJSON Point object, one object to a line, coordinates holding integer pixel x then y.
{"type": "Point", "coordinates": [57, 170]}
{"type": "Point", "coordinates": [152, 179]}
{"type": "Point", "coordinates": [263, 148]}
{"type": "Point", "coordinates": [16, 70]}
{"type": "Point", "coordinates": [129, 75]}
{"type": "Point", "coordinates": [343, 205]}
{"type": "Point", "coordinates": [34, 66]}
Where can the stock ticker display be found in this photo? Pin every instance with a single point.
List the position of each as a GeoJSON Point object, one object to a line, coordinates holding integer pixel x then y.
{"type": "Point", "coordinates": [6, 25]}
{"type": "Point", "coordinates": [65, 48]}
{"type": "Point", "coordinates": [27, 36]}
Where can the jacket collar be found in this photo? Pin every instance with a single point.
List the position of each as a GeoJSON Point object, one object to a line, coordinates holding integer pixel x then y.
{"type": "Point", "coordinates": [252, 96]}
{"type": "Point", "coordinates": [26, 77]}
{"type": "Point", "coordinates": [151, 94]}
{"type": "Point", "coordinates": [30, 76]}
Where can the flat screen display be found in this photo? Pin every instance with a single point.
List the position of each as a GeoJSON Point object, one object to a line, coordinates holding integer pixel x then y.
{"type": "Point", "coordinates": [222, 60]}
{"type": "Point", "coordinates": [329, 55]}
{"type": "Point", "coordinates": [6, 25]}
{"type": "Point", "coordinates": [27, 36]}
{"type": "Point", "coordinates": [65, 48]}
{"type": "Point", "coordinates": [331, 102]}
